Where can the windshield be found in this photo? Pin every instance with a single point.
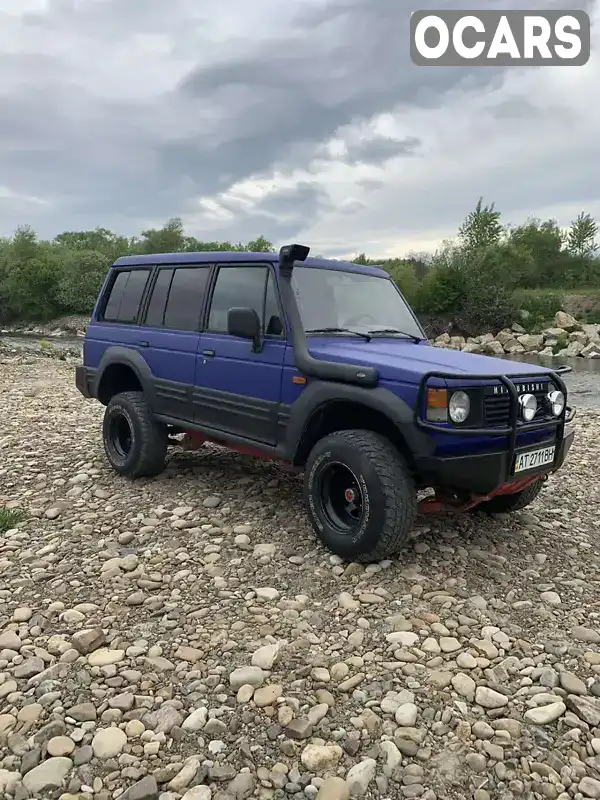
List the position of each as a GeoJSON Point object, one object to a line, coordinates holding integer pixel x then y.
{"type": "Point", "coordinates": [330, 298]}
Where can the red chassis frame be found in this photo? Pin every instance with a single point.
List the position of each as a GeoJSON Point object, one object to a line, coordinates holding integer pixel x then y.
{"type": "Point", "coordinates": [429, 505]}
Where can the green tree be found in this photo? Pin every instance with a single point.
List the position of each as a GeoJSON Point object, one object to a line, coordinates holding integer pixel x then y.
{"type": "Point", "coordinates": [540, 245]}
{"type": "Point", "coordinates": [168, 239]}
{"type": "Point", "coordinates": [82, 277]}
{"type": "Point", "coordinates": [581, 239]}
{"type": "Point", "coordinates": [481, 228]}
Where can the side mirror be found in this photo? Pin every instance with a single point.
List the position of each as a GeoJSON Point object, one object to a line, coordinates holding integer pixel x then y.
{"type": "Point", "coordinates": [244, 322]}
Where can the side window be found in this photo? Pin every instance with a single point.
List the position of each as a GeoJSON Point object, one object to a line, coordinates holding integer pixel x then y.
{"type": "Point", "coordinates": [125, 296]}
{"type": "Point", "coordinates": [273, 323]}
{"type": "Point", "coordinates": [155, 316]}
{"type": "Point", "coordinates": [186, 295]}
{"type": "Point", "coordinates": [236, 286]}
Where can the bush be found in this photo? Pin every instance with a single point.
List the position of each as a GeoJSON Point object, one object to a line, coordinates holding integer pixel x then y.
{"type": "Point", "coordinates": [472, 285]}
{"type": "Point", "coordinates": [539, 306]}
{"type": "Point", "coordinates": [83, 275]}
{"type": "Point", "coordinates": [405, 278]}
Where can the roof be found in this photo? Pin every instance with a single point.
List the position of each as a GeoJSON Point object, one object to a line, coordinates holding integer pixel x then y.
{"type": "Point", "coordinates": [218, 256]}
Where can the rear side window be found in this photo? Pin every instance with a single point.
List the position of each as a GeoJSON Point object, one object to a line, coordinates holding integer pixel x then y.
{"type": "Point", "coordinates": [185, 298]}
{"type": "Point", "coordinates": [125, 296]}
{"type": "Point", "coordinates": [155, 316]}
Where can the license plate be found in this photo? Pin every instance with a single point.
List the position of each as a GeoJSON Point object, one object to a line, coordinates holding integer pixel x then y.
{"type": "Point", "coordinates": [533, 459]}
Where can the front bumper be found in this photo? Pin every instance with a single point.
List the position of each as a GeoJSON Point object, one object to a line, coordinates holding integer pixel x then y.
{"type": "Point", "coordinates": [484, 472]}
{"type": "Point", "coordinates": [481, 473]}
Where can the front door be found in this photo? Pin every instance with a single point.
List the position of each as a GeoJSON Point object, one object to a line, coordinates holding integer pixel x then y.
{"type": "Point", "coordinates": [238, 391]}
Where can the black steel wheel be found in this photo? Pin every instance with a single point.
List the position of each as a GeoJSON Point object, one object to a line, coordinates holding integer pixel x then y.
{"type": "Point", "coordinates": [135, 444]}
{"type": "Point", "coordinates": [341, 497]}
{"type": "Point", "coordinates": [359, 494]}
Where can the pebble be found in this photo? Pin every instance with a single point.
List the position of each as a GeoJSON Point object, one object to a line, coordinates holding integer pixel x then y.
{"type": "Point", "coordinates": [253, 676]}
{"type": "Point", "coordinates": [334, 788]}
{"type": "Point", "coordinates": [543, 715]}
{"type": "Point", "coordinates": [49, 775]}
{"type": "Point", "coordinates": [359, 777]}
{"type": "Point", "coordinates": [109, 742]}
{"type": "Point", "coordinates": [489, 698]}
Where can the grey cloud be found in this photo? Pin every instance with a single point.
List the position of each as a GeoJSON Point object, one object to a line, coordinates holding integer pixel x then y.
{"type": "Point", "coordinates": [380, 149]}
{"type": "Point", "coordinates": [267, 99]}
{"type": "Point", "coordinates": [343, 63]}
{"type": "Point", "coordinates": [370, 184]}
{"type": "Point", "coordinates": [281, 215]}
{"type": "Point", "coordinates": [351, 205]}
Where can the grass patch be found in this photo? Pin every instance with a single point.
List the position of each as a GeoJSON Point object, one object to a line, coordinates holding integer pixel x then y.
{"type": "Point", "coordinates": [10, 518]}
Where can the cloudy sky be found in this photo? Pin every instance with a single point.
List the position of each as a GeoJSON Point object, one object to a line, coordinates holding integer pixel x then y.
{"type": "Point", "coordinates": [296, 119]}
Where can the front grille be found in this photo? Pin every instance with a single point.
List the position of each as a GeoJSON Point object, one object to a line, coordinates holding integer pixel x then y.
{"type": "Point", "coordinates": [496, 403]}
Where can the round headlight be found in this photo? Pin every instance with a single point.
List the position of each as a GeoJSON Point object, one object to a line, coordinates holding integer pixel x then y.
{"type": "Point", "coordinates": [528, 406]}
{"type": "Point", "coordinates": [459, 406]}
{"type": "Point", "coordinates": [557, 402]}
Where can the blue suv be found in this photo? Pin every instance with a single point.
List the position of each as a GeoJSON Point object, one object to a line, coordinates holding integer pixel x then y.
{"type": "Point", "coordinates": [322, 365]}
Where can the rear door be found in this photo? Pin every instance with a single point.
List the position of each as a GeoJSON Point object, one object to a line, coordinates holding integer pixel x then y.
{"type": "Point", "coordinates": [237, 390]}
{"type": "Point", "coordinates": [169, 335]}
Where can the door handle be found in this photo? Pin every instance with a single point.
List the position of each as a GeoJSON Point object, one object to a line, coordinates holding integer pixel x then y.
{"type": "Point", "coordinates": [208, 353]}
{"type": "Point", "coordinates": [144, 344]}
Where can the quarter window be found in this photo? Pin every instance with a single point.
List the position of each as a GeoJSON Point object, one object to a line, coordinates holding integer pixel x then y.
{"type": "Point", "coordinates": [125, 296]}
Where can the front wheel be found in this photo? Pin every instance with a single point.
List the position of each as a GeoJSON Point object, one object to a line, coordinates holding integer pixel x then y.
{"type": "Point", "coordinates": [360, 495]}
{"type": "Point", "coordinates": [507, 503]}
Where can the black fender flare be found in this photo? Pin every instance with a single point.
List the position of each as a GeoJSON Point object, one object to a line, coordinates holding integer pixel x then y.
{"type": "Point", "coordinates": [126, 357]}
{"type": "Point", "coordinates": [319, 394]}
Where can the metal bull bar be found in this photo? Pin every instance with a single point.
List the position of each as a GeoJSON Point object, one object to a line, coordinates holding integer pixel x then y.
{"type": "Point", "coordinates": [513, 427]}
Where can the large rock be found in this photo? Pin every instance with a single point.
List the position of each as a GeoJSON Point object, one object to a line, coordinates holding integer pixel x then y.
{"type": "Point", "coordinates": [572, 350]}
{"type": "Point", "coordinates": [513, 347]}
{"type": "Point", "coordinates": [531, 342]}
{"type": "Point", "coordinates": [566, 322]}
{"type": "Point", "coordinates": [554, 334]}
{"type": "Point", "coordinates": [471, 347]}
{"type": "Point", "coordinates": [592, 332]}
{"type": "Point", "coordinates": [494, 348]}
{"type": "Point", "coordinates": [505, 336]}
{"type": "Point", "coordinates": [592, 350]}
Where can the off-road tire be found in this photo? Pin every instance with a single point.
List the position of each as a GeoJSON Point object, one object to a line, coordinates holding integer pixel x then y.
{"type": "Point", "coordinates": [147, 454]}
{"type": "Point", "coordinates": [386, 484]}
{"type": "Point", "coordinates": [508, 503]}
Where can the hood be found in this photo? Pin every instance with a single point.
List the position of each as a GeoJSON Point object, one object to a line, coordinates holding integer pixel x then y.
{"type": "Point", "coordinates": [403, 360]}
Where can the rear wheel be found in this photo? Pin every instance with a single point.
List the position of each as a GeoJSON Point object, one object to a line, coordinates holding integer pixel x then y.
{"type": "Point", "coordinates": [359, 494]}
{"type": "Point", "coordinates": [135, 444]}
{"type": "Point", "coordinates": [507, 503]}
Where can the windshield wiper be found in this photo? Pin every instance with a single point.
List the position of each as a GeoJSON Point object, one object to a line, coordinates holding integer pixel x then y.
{"type": "Point", "coordinates": [365, 336]}
{"type": "Point", "coordinates": [386, 331]}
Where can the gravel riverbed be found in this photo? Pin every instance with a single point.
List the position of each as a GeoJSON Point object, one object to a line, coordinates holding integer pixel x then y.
{"type": "Point", "coordinates": [187, 637]}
